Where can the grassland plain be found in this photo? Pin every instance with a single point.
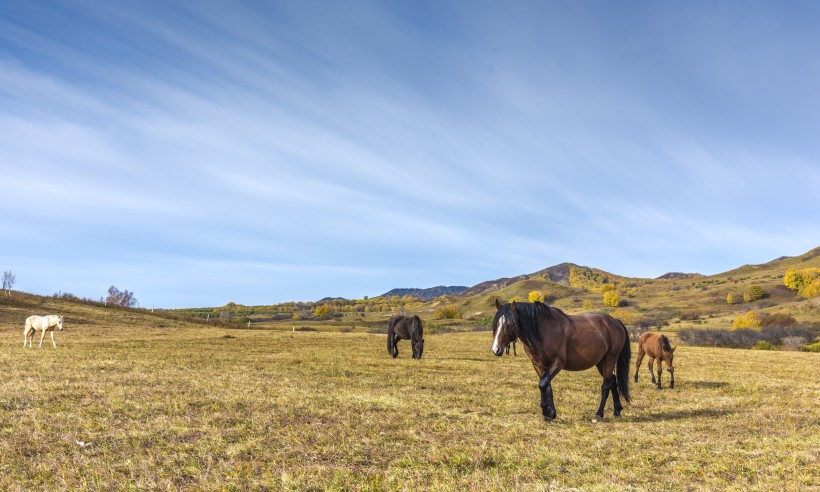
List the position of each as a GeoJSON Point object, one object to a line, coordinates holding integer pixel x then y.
{"type": "Point", "coordinates": [130, 401]}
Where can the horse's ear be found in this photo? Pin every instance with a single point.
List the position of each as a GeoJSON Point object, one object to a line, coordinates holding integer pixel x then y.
{"type": "Point", "coordinates": [497, 303]}
{"type": "Point", "coordinates": [512, 304]}
{"type": "Point", "coordinates": [673, 349]}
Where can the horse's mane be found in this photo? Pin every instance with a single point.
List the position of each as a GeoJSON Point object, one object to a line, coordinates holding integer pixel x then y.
{"type": "Point", "coordinates": [665, 344]}
{"type": "Point", "coordinates": [528, 329]}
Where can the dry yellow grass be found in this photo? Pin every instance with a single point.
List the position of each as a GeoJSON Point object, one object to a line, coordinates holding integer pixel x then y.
{"type": "Point", "coordinates": [184, 407]}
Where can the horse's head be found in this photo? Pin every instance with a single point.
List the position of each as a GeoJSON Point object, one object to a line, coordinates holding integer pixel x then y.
{"type": "Point", "coordinates": [505, 326]}
{"type": "Point", "coordinates": [60, 323]}
{"type": "Point", "coordinates": [418, 348]}
{"type": "Point", "coordinates": [667, 354]}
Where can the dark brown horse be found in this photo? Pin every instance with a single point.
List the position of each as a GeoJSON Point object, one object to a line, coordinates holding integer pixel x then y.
{"type": "Point", "coordinates": [405, 328]}
{"type": "Point", "coordinates": [554, 341]}
{"type": "Point", "coordinates": [656, 346]}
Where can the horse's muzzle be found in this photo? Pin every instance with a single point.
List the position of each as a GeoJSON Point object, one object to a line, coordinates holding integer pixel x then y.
{"type": "Point", "coordinates": [497, 353]}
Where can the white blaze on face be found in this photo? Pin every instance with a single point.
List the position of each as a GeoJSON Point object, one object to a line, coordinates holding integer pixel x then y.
{"type": "Point", "coordinates": [496, 347]}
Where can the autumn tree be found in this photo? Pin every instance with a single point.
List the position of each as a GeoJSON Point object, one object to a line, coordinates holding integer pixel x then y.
{"type": "Point", "coordinates": [730, 298]}
{"type": "Point", "coordinates": [806, 281]}
{"type": "Point", "coordinates": [321, 312]}
{"type": "Point", "coordinates": [625, 315]}
{"type": "Point", "coordinates": [611, 298]}
{"type": "Point", "coordinates": [586, 305]}
{"type": "Point", "coordinates": [8, 282]}
{"type": "Point", "coordinates": [535, 296]}
{"type": "Point", "coordinates": [447, 312]}
{"type": "Point", "coordinates": [748, 320]}
{"type": "Point", "coordinates": [123, 299]}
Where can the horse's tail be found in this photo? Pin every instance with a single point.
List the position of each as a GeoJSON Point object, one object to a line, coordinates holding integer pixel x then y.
{"type": "Point", "coordinates": [392, 350]}
{"type": "Point", "coordinates": [26, 329]}
{"type": "Point", "coordinates": [622, 368]}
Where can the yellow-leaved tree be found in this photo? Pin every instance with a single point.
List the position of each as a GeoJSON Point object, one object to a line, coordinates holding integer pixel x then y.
{"type": "Point", "coordinates": [535, 296]}
{"type": "Point", "coordinates": [730, 298]}
{"type": "Point", "coordinates": [586, 305]}
{"type": "Point", "coordinates": [611, 298]}
{"type": "Point", "coordinates": [321, 312]}
{"type": "Point", "coordinates": [748, 320]}
{"type": "Point", "coordinates": [625, 315]}
{"type": "Point", "coordinates": [806, 281]}
{"type": "Point", "coordinates": [447, 312]}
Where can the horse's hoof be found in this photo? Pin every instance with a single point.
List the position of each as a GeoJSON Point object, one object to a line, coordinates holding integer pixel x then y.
{"type": "Point", "coordinates": [595, 420]}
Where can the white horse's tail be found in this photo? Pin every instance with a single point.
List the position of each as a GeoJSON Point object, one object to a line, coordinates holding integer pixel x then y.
{"type": "Point", "coordinates": [26, 330]}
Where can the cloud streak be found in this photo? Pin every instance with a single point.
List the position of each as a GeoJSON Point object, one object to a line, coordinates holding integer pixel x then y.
{"type": "Point", "coordinates": [289, 152]}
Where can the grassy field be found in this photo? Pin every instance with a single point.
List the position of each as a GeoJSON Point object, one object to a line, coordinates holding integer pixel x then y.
{"type": "Point", "coordinates": [133, 401]}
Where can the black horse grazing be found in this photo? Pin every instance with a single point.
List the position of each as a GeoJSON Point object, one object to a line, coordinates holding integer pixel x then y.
{"type": "Point", "coordinates": [554, 341]}
{"type": "Point", "coordinates": [507, 350]}
{"type": "Point", "coordinates": [406, 328]}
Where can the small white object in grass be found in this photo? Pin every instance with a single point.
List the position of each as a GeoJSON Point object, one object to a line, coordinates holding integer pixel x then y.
{"type": "Point", "coordinates": [83, 444]}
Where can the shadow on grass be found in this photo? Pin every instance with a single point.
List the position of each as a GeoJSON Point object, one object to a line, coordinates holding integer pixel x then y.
{"type": "Point", "coordinates": [680, 415]}
{"type": "Point", "coordinates": [708, 384]}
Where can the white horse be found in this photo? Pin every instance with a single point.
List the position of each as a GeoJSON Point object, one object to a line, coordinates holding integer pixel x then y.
{"type": "Point", "coordinates": [44, 324]}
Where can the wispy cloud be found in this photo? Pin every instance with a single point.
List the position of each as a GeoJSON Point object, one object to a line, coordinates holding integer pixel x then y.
{"type": "Point", "coordinates": [293, 151]}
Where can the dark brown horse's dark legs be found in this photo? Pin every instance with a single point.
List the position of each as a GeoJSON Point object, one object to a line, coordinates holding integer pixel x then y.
{"type": "Point", "coordinates": [672, 375]}
{"type": "Point", "coordinates": [616, 400]}
{"type": "Point", "coordinates": [606, 388]}
{"type": "Point", "coordinates": [547, 404]}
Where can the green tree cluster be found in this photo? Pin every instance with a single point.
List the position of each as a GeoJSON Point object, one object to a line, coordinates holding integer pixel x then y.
{"type": "Point", "coordinates": [754, 293]}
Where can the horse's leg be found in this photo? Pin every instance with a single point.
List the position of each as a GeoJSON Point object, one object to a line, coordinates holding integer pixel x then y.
{"type": "Point", "coordinates": [52, 340]}
{"type": "Point", "coordinates": [660, 371]}
{"type": "Point", "coordinates": [514, 352]}
{"type": "Point", "coordinates": [545, 385]}
{"type": "Point", "coordinates": [606, 388]}
{"type": "Point", "coordinates": [652, 369]}
{"type": "Point", "coordinates": [672, 375]}
{"type": "Point", "coordinates": [616, 400]}
{"type": "Point", "coordinates": [641, 353]}
{"type": "Point", "coordinates": [616, 397]}
{"type": "Point", "coordinates": [42, 337]}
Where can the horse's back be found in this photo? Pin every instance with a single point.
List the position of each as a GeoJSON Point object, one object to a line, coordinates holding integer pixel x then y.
{"type": "Point", "coordinates": [651, 343]}
{"type": "Point", "coordinates": [592, 338]}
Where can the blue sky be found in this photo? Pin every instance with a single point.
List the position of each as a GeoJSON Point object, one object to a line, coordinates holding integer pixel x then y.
{"type": "Point", "coordinates": [258, 152]}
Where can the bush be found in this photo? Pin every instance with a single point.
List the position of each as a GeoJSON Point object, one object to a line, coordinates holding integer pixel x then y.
{"type": "Point", "coordinates": [611, 298]}
{"type": "Point", "coordinates": [814, 347]}
{"type": "Point", "coordinates": [778, 319]}
{"type": "Point", "coordinates": [447, 312]}
{"type": "Point", "coordinates": [745, 337]}
{"type": "Point", "coordinates": [754, 293]}
{"type": "Point", "coordinates": [748, 320]}
{"type": "Point", "coordinates": [761, 345]}
{"type": "Point", "coordinates": [535, 296]}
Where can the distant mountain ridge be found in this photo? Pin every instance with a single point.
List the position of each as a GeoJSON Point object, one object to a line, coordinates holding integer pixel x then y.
{"type": "Point", "coordinates": [672, 275]}
{"type": "Point", "coordinates": [427, 294]}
